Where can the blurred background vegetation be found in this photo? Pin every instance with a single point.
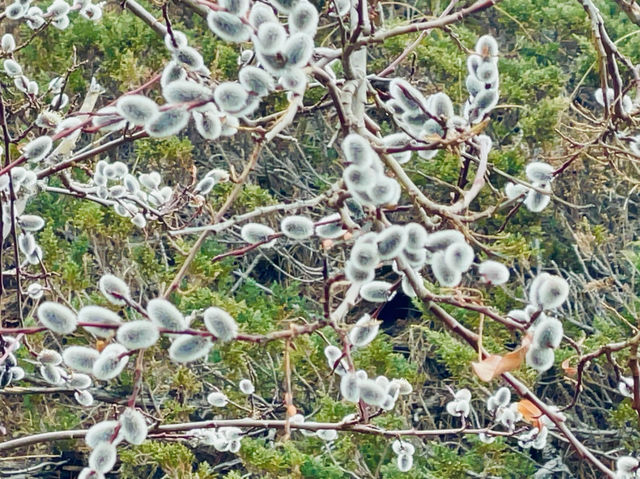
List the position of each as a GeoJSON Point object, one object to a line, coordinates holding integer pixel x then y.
{"type": "Point", "coordinates": [548, 70]}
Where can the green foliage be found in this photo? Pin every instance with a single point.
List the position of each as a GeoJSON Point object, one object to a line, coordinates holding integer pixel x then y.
{"type": "Point", "coordinates": [172, 458]}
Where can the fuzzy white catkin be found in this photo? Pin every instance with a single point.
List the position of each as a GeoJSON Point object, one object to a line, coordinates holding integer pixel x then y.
{"type": "Point", "coordinates": [502, 396]}
{"type": "Point", "coordinates": [297, 227]}
{"type": "Point", "coordinates": [261, 13]}
{"type": "Point", "coordinates": [51, 374]}
{"type": "Point", "coordinates": [109, 364]}
{"type": "Point", "coordinates": [57, 318]}
{"type": "Point", "coordinates": [371, 392]}
{"type": "Point", "coordinates": [133, 426]}
{"type": "Point", "coordinates": [113, 288]}
{"type": "Point", "coordinates": [246, 387]}
{"type": "Point", "coordinates": [8, 43]}
{"type": "Point", "coordinates": [103, 457]}
{"type": "Point", "coordinates": [442, 239]}
{"type": "Point", "coordinates": [391, 241]}
{"type": "Point", "coordinates": [79, 381]}
{"type": "Point", "coordinates": [256, 233]}
{"type": "Point", "coordinates": [364, 331]}
{"type": "Point", "coordinates": [350, 387]}
{"type": "Point", "coordinates": [548, 333]}
{"type": "Point", "coordinates": [167, 123]}
{"type": "Point", "coordinates": [88, 473]}
{"type": "Point", "coordinates": [217, 399]}
{"type": "Point", "coordinates": [536, 201]}
{"type": "Point", "coordinates": [358, 151]}
{"type": "Point", "coordinates": [493, 272]}
{"type": "Point", "coordinates": [230, 97]}
{"type": "Point", "coordinates": [487, 47]}
{"type": "Point", "coordinates": [398, 140]}
{"type": "Point", "coordinates": [84, 398]}
{"type": "Point", "coordinates": [31, 222]}
{"type": "Point", "coordinates": [445, 275]}
{"type": "Point", "coordinates": [138, 334]}
{"type": "Point", "coordinates": [136, 109]}
{"type": "Point", "coordinates": [236, 7]}
{"type": "Point", "coordinates": [402, 447]}
{"type": "Point", "coordinates": [227, 26]}
{"type": "Point", "coordinates": [37, 149]}
{"type": "Point", "coordinates": [220, 324]}
{"type": "Point", "coordinates": [514, 190]}
{"type": "Point", "coordinates": [172, 72]}
{"type": "Point", "coordinates": [176, 40]}
{"type": "Point", "coordinates": [189, 348]}
{"type": "Point", "coordinates": [26, 243]}
{"type": "Point", "coordinates": [184, 91]}
{"type": "Point", "coordinates": [298, 50]}
{"type": "Point", "coordinates": [139, 220]}
{"type": "Point", "coordinates": [80, 358]}
{"type": "Point", "coordinates": [540, 359]}
{"type": "Point", "coordinates": [189, 58]}
{"type": "Point", "coordinates": [208, 124]}
{"type": "Point", "coordinates": [376, 291]}
{"type": "Point", "coordinates": [165, 315]}
{"type": "Point", "coordinates": [459, 256]}
{"type": "Point", "coordinates": [539, 171]}
{"type": "Point", "coordinates": [416, 236]}
{"type": "Point", "coordinates": [627, 464]}
{"type": "Point", "coordinates": [333, 227]}
{"type": "Point", "coordinates": [102, 432]}
{"type": "Point", "coordinates": [552, 292]}
{"type": "Point", "coordinates": [304, 18]}
{"type": "Point", "coordinates": [358, 178]}
{"type": "Point", "coordinates": [409, 97]}
{"type": "Point", "coordinates": [270, 37]}
{"type": "Point", "coordinates": [404, 462]}
{"type": "Point", "coordinates": [332, 353]}
{"type": "Point", "coordinates": [485, 101]}
{"type": "Point", "coordinates": [365, 255]}
{"type": "Point", "coordinates": [439, 105]}
{"type": "Point", "coordinates": [204, 186]}
{"type": "Point", "coordinates": [327, 434]}
{"type": "Point", "coordinates": [385, 191]}
{"type": "Point", "coordinates": [98, 314]}
{"type": "Point", "coordinates": [49, 356]}
{"type": "Point", "coordinates": [256, 80]}
{"type": "Point", "coordinates": [12, 68]}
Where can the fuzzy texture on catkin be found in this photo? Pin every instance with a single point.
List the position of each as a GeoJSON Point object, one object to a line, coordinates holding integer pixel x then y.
{"type": "Point", "coordinates": [165, 315]}
{"type": "Point", "coordinates": [220, 324]}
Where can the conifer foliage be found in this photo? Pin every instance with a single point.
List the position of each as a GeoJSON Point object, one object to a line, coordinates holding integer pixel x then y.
{"type": "Point", "coordinates": [288, 238]}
